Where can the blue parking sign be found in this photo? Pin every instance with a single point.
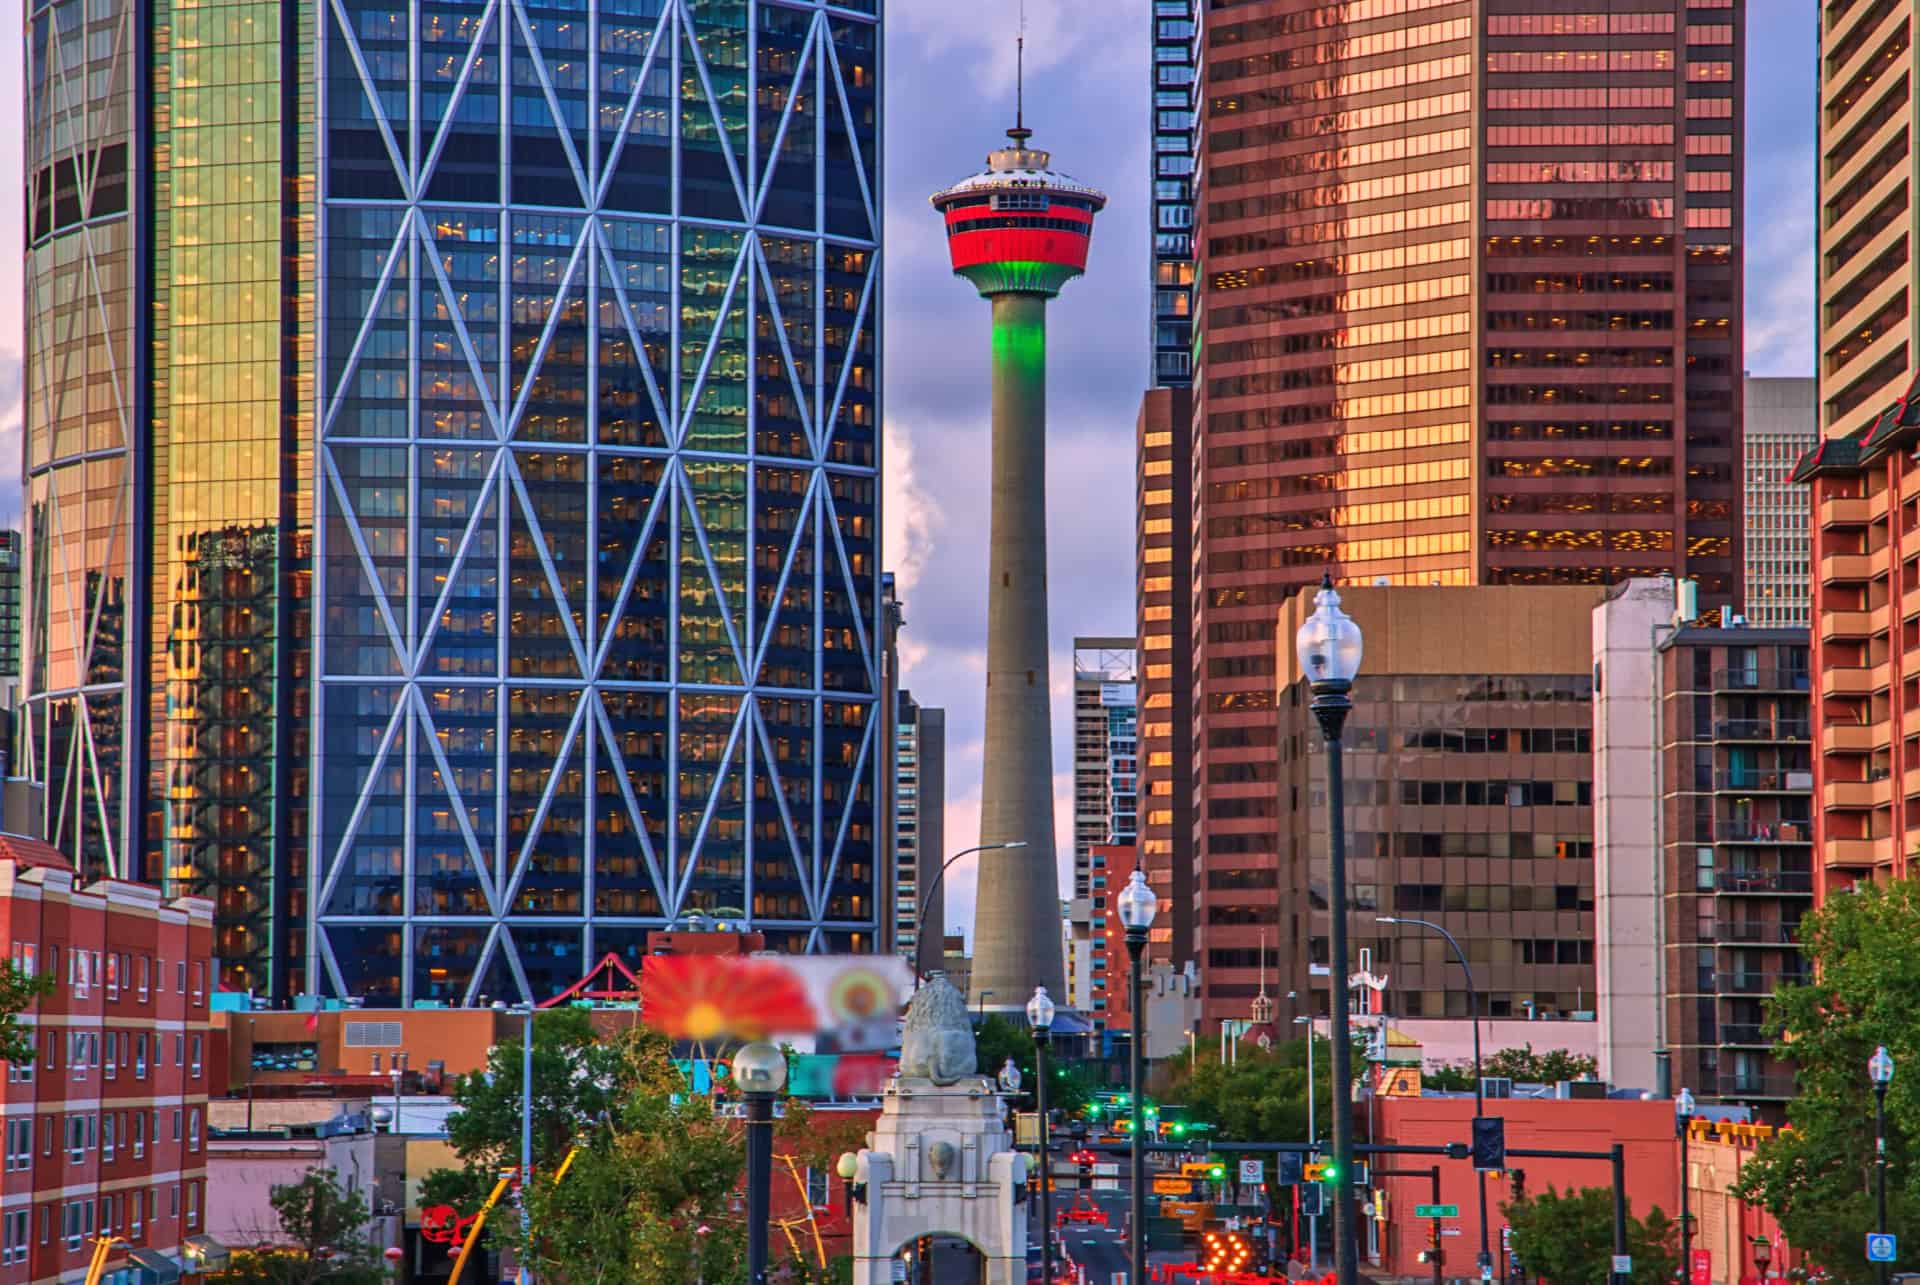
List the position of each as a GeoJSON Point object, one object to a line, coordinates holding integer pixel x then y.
{"type": "Point", "coordinates": [1882, 1247]}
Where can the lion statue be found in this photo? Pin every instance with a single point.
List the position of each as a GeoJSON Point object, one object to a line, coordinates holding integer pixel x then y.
{"type": "Point", "coordinates": [937, 1042]}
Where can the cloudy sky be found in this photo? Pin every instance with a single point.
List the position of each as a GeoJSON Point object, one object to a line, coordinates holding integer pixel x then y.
{"type": "Point", "coordinates": [949, 94]}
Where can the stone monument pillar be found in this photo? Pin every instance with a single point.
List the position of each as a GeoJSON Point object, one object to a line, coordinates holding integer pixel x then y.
{"type": "Point", "coordinates": [940, 1162]}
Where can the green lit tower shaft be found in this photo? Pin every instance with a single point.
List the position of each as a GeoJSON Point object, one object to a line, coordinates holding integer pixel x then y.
{"type": "Point", "coordinates": [1018, 232]}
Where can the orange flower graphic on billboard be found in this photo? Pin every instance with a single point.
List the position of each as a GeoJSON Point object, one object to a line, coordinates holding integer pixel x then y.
{"type": "Point", "coordinates": [708, 998]}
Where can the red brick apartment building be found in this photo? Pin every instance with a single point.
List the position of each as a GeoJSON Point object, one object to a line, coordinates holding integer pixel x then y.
{"type": "Point", "coordinates": [104, 1134]}
{"type": "Point", "coordinates": [1467, 312]}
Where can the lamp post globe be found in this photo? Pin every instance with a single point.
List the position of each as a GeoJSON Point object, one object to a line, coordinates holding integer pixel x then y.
{"type": "Point", "coordinates": [1138, 905]}
{"type": "Point", "coordinates": [1880, 1067]}
{"type": "Point", "coordinates": [759, 1072]}
{"type": "Point", "coordinates": [1328, 643]}
{"type": "Point", "coordinates": [1009, 1078]}
{"type": "Point", "coordinates": [1682, 1125]}
{"type": "Point", "coordinates": [1880, 1071]}
{"type": "Point", "coordinates": [1040, 1011]}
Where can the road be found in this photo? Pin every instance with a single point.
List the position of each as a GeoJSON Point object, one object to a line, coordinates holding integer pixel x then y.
{"type": "Point", "coordinates": [1100, 1251]}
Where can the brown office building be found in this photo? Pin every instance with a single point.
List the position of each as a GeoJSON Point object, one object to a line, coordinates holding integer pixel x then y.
{"type": "Point", "coordinates": [1468, 306]}
{"type": "Point", "coordinates": [1469, 777]}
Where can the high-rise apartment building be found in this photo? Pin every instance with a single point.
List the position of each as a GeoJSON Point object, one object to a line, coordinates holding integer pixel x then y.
{"type": "Point", "coordinates": [1467, 312]}
{"type": "Point", "coordinates": [9, 609]}
{"type": "Point", "coordinates": [1867, 118]}
{"type": "Point", "coordinates": [1782, 423]}
{"type": "Point", "coordinates": [1469, 777]}
{"type": "Point", "coordinates": [1163, 567]}
{"type": "Point", "coordinates": [1862, 475]}
{"type": "Point", "coordinates": [1703, 790]}
{"type": "Point", "coordinates": [1105, 745]}
{"type": "Point", "coordinates": [452, 477]}
{"type": "Point", "coordinates": [1174, 24]}
{"type": "Point", "coordinates": [919, 831]}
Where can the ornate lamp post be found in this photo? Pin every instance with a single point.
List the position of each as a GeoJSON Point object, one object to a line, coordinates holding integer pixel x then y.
{"type": "Point", "coordinates": [1137, 908]}
{"type": "Point", "coordinates": [760, 1072]}
{"type": "Point", "coordinates": [1040, 1017]}
{"type": "Point", "coordinates": [1762, 1255]}
{"type": "Point", "coordinates": [1683, 1125]}
{"type": "Point", "coordinates": [1880, 1071]}
{"type": "Point", "coordinates": [1329, 648]}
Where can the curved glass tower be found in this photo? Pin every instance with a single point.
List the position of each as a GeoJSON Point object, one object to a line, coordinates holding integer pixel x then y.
{"type": "Point", "coordinates": [503, 397]}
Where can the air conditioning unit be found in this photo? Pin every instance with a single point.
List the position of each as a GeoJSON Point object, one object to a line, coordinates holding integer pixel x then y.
{"type": "Point", "coordinates": [1496, 1086]}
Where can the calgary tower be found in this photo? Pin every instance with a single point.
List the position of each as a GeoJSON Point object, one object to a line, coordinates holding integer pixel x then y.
{"type": "Point", "coordinates": [1018, 232]}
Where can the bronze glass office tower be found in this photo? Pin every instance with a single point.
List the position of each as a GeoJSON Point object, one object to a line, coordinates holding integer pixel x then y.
{"type": "Point", "coordinates": [1467, 312]}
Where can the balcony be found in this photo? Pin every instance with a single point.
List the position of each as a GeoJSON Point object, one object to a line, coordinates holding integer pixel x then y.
{"type": "Point", "coordinates": [1844, 568]}
{"type": "Point", "coordinates": [1761, 729]}
{"type": "Point", "coordinates": [1757, 982]}
{"type": "Point", "coordinates": [1857, 852]}
{"type": "Point", "coordinates": [1847, 680]}
{"type": "Point", "coordinates": [1910, 603]}
{"type": "Point", "coordinates": [1762, 680]}
{"type": "Point", "coordinates": [1849, 738]}
{"type": "Point", "coordinates": [1845, 510]}
{"type": "Point", "coordinates": [1796, 781]}
{"type": "Point", "coordinates": [1735, 1085]}
{"type": "Point", "coordinates": [1745, 1036]}
{"type": "Point", "coordinates": [1753, 932]}
{"type": "Point", "coordinates": [1836, 625]}
{"type": "Point", "coordinates": [1763, 882]}
{"type": "Point", "coordinates": [1729, 830]}
{"type": "Point", "coordinates": [1877, 793]}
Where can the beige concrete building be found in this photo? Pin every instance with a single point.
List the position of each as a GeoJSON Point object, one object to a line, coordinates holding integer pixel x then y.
{"type": "Point", "coordinates": [1468, 776]}
{"type": "Point", "coordinates": [1867, 119]}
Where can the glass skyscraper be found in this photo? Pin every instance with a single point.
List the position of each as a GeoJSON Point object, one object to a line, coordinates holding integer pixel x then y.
{"type": "Point", "coordinates": [501, 394]}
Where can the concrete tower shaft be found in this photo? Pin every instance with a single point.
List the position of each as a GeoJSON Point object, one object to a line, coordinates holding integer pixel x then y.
{"type": "Point", "coordinates": [1018, 232]}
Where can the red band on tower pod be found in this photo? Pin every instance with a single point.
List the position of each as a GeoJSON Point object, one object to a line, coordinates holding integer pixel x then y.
{"type": "Point", "coordinates": [965, 213]}
{"type": "Point", "coordinates": [1018, 245]}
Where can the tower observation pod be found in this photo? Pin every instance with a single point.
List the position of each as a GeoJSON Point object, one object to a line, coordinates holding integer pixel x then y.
{"type": "Point", "coordinates": [1018, 232]}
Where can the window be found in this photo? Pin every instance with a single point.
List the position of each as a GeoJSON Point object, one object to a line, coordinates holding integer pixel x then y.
{"type": "Point", "coordinates": [45, 1221]}
{"type": "Point", "coordinates": [106, 1136]}
{"type": "Point", "coordinates": [199, 979]}
{"type": "Point", "coordinates": [76, 1139]}
{"type": "Point", "coordinates": [173, 1197]}
{"type": "Point", "coordinates": [195, 1067]}
{"type": "Point", "coordinates": [180, 976]}
{"type": "Point", "coordinates": [193, 1205]}
{"type": "Point", "coordinates": [145, 962]}
{"type": "Point", "coordinates": [179, 1050]}
{"type": "Point", "coordinates": [134, 1203]}
{"type": "Point", "coordinates": [193, 1129]}
{"type": "Point", "coordinates": [139, 1135]}
{"type": "Point", "coordinates": [70, 1225]}
{"type": "Point", "coordinates": [140, 1056]}
{"type": "Point", "coordinates": [106, 1215]}
{"type": "Point", "coordinates": [113, 977]}
{"type": "Point", "coordinates": [176, 1124]}
{"type": "Point", "coordinates": [112, 1062]}
{"type": "Point", "coordinates": [20, 1143]}
{"type": "Point", "coordinates": [14, 1248]}
{"type": "Point", "coordinates": [46, 1135]}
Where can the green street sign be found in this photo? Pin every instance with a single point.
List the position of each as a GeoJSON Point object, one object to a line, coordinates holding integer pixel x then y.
{"type": "Point", "coordinates": [1436, 1211]}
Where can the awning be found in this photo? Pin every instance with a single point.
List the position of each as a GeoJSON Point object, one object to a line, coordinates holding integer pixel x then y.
{"type": "Point", "coordinates": [204, 1254]}
{"type": "Point", "coordinates": [151, 1267]}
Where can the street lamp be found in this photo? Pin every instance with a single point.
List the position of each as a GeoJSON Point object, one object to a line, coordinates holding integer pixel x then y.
{"type": "Point", "coordinates": [1329, 649]}
{"type": "Point", "coordinates": [1479, 1079]}
{"type": "Point", "coordinates": [1762, 1255]}
{"type": "Point", "coordinates": [1040, 1016]}
{"type": "Point", "coordinates": [1313, 1137]}
{"type": "Point", "coordinates": [1683, 1125]}
{"type": "Point", "coordinates": [759, 1071]}
{"type": "Point", "coordinates": [926, 903]}
{"type": "Point", "coordinates": [1880, 1071]}
{"type": "Point", "coordinates": [1137, 908]}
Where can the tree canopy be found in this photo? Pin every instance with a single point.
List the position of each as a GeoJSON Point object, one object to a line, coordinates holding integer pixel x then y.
{"type": "Point", "coordinates": [1816, 1177]}
{"type": "Point", "coordinates": [1568, 1238]}
{"type": "Point", "coordinates": [323, 1238]}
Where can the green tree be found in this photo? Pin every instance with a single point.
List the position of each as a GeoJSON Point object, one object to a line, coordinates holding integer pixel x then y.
{"type": "Point", "coordinates": [322, 1241]}
{"type": "Point", "coordinates": [1069, 1086]}
{"type": "Point", "coordinates": [1817, 1177]}
{"type": "Point", "coordinates": [577, 1079]}
{"type": "Point", "coordinates": [1261, 1097]}
{"type": "Point", "coordinates": [1540, 1068]}
{"type": "Point", "coordinates": [1569, 1238]}
{"type": "Point", "coordinates": [18, 992]}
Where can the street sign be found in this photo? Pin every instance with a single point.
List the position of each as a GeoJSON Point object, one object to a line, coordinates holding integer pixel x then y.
{"type": "Point", "coordinates": [1882, 1247]}
{"type": "Point", "coordinates": [1506, 1238]}
{"type": "Point", "coordinates": [1702, 1267]}
{"type": "Point", "coordinates": [1170, 1186]}
{"type": "Point", "coordinates": [1451, 1231]}
{"type": "Point", "coordinates": [1436, 1211]}
{"type": "Point", "coordinates": [1623, 1264]}
{"type": "Point", "coordinates": [1252, 1170]}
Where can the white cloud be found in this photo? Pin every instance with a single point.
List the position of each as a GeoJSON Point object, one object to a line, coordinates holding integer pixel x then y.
{"type": "Point", "coordinates": [1780, 304]}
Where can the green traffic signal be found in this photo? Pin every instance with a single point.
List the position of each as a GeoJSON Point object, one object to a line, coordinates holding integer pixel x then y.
{"type": "Point", "coordinates": [1330, 1172]}
{"type": "Point", "coordinates": [1217, 1173]}
{"type": "Point", "coordinates": [1177, 1128]}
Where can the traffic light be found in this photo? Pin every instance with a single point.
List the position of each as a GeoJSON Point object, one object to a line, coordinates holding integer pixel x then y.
{"type": "Point", "coordinates": [1489, 1143]}
{"type": "Point", "coordinates": [1313, 1200]}
{"type": "Point", "coordinates": [1177, 1129]}
{"type": "Point", "coordinates": [1322, 1171]}
{"type": "Point", "coordinates": [1287, 1165]}
{"type": "Point", "coordinates": [1431, 1254]}
{"type": "Point", "coordinates": [1218, 1172]}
